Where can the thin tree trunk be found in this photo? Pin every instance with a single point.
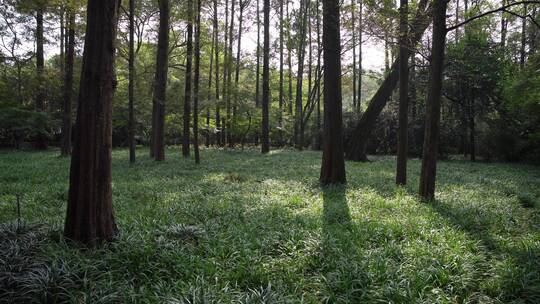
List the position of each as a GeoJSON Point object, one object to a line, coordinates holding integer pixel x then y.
{"type": "Point", "coordinates": [319, 125]}
{"type": "Point", "coordinates": [333, 164]}
{"type": "Point", "coordinates": [216, 59]}
{"type": "Point", "coordinates": [265, 138]}
{"type": "Point", "coordinates": [472, 130]}
{"type": "Point", "coordinates": [280, 117]}
{"type": "Point", "coordinates": [298, 132]}
{"type": "Point", "coordinates": [230, 139]}
{"type": "Point", "coordinates": [224, 126]}
{"type": "Point", "coordinates": [68, 87]}
{"type": "Point", "coordinates": [402, 148]}
{"type": "Point", "coordinates": [353, 30]}
{"type": "Point", "coordinates": [131, 86]}
{"type": "Point", "coordinates": [242, 4]}
{"type": "Point", "coordinates": [90, 218]}
{"type": "Point", "coordinates": [160, 81]}
{"type": "Point", "coordinates": [41, 139]}
{"type": "Point", "coordinates": [188, 88]}
{"type": "Point", "coordinates": [360, 35]}
{"type": "Point", "coordinates": [196, 78]}
{"type": "Point", "coordinates": [433, 110]}
{"type": "Point", "coordinates": [258, 69]}
{"type": "Point", "coordinates": [209, 96]}
{"type": "Point", "coordinates": [289, 61]}
{"type": "Point", "coordinates": [522, 52]}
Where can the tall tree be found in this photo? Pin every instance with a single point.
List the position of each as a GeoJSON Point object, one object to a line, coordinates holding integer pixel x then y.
{"type": "Point", "coordinates": [224, 126]}
{"type": "Point", "coordinates": [188, 79]}
{"type": "Point", "coordinates": [281, 29]}
{"type": "Point", "coordinates": [265, 130]}
{"type": "Point", "coordinates": [433, 110]}
{"type": "Point", "coordinates": [302, 23]}
{"type": "Point", "coordinates": [360, 37]}
{"type": "Point", "coordinates": [65, 148]}
{"type": "Point", "coordinates": [160, 81]}
{"type": "Point", "coordinates": [216, 59]}
{"type": "Point", "coordinates": [90, 218]}
{"type": "Point", "coordinates": [319, 53]}
{"type": "Point", "coordinates": [402, 148]}
{"type": "Point", "coordinates": [196, 78]}
{"type": "Point", "coordinates": [289, 61]}
{"type": "Point", "coordinates": [229, 58]}
{"type": "Point", "coordinates": [333, 163]}
{"type": "Point", "coordinates": [41, 140]}
{"type": "Point", "coordinates": [131, 85]}
{"type": "Point", "coordinates": [353, 30]}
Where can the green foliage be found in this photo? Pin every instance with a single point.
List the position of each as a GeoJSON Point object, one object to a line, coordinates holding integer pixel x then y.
{"type": "Point", "coordinates": [18, 124]}
{"type": "Point", "coordinates": [249, 228]}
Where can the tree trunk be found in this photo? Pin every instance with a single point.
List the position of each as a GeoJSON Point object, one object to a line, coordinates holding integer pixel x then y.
{"type": "Point", "coordinates": [357, 148]}
{"type": "Point", "coordinates": [41, 138]}
{"type": "Point", "coordinates": [522, 51]}
{"type": "Point", "coordinates": [216, 59]}
{"type": "Point", "coordinates": [333, 164]}
{"type": "Point", "coordinates": [187, 92]}
{"type": "Point", "coordinates": [504, 23]}
{"type": "Point", "coordinates": [265, 136]}
{"type": "Point", "coordinates": [196, 79]}
{"type": "Point", "coordinates": [131, 86]}
{"type": "Point", "coordinates": [242, 4]}
{"type": "Point", "coordinates": [209, 96]}
{"type": "Point", "coordinates": [298, 132]}
{"type": "Point", "coordinates": [65, 148]}
{"type": "Point", "coordinates": [360, 35]}
{"type": "Point", "coordinates": [90, 218]}
{"type": "Point", "coordinates": [289, 61]}
{"type": "Point", "coordinates": [402, 149]}
{"type": "Point", "coordinates": [280, 117]}
{"type": "Point", "coordinates": [258, 69]}
{"type": "Point", "coordinates": [229, 58]}
{"type": "Point", "coordinates": [160, 81]}
{"type": "Point", "coordinates": [353, 29]}
{"type": "Point", "coordinates": [433, 108]}
{"type": "Point", "coordinates": [319, 125]}
{"type": "Point", "coordinates": [224, 126]}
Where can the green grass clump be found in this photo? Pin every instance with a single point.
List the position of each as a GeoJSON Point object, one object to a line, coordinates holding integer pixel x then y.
{"type": "Point", "coordinates": [248, 228]}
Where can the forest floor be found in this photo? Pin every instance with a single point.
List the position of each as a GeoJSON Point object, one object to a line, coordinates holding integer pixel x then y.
{"type": "Point", "coordinates": [246, 228]}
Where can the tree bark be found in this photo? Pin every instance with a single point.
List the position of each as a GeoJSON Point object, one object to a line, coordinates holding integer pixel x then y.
{"type": "Point", "coordinates": [209, 96]}
{"type": "Point", "coordinates": [319, 125]}
{"type": "Point", "coordinates": [360, 35]}
{"type": "Point", "coordinates": [357, 148]}
{"type": "Point", "coordinates": [433, 110]}
{"type": "Point", "coordinates": [333, 164]}
{"type": "Point", "coordinates": [65, 148]}
{"type": "Point", "coordinates": [402, 148]}
{"type": "Point", "coordinates": [160, 81]}
{"type": "Point", "coordinates": [188, 89]}
{"type": "Point", "coordinates": [41, 139]}
{"type": "Point", "coordinates": [265, 136]}
{"type": "Point", "coordinates": [289, 61]}
{"type": "Point", "coordinates": [280, 117]}
{"type": "Point", "coordinates": [298, 131]}
{"type": "Point", "coordinates": [131, 86]}
{"type": "Point", "coordinates": [90, 219]}
{"type": "Point", "coordinates": [216, 59]}
{"type": "Point", "coordinates": [229, 105]}
{"type": "Point", "coordinates": [196, 78]}
{"type": "Point", "coordinates": [224, 126]}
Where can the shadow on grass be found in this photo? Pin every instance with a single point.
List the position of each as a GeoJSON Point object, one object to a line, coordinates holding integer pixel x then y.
{"type": "Point", "coordinates": [520, 278]}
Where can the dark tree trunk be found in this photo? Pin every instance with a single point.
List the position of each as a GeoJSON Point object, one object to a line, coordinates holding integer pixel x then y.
{"type": "Point", "coordinates": [90, 218]}
{"type": "Point", "coordinates": [298, 130]}
{"type": "Point", "coordinates": [224, 126]}
{"type": "Point", "coordinates": [188, 90]}
{"type": "Point", "coordinates": [209, 96]}
{"type": "Point", "coordinates": [258, 68]}
{"type": "Point", "coordinates": [353, 30]}
{"type": "Point", "coordinates": [360, 35]}
{"type": "Point", "coordinates": [318, 123]}
{"type": "Point", "coordinates": [504, 23]}
{"type": "Point", "coordinates": [216, 59]}
{"type": "Point", "coordinates": [65, 148]}
{"type": "Point", "coordinates": [333, 164]}
{"type": "Point", "coordinates": [357, 148]}
{"type": "Point", "coordinates": [230, 139]}
{"type": "Point", "coordinates": [160, 81]}
{"type": "Point", "coordinates": [242, 4]}
{"type": "Point", "coordinates": [131, 87]}
{"type": "Point", "coordinates": [472, 130]}
{"type": "Point", "coordinates": [401, 170]}
{"type": "Point", "coordinates": [433, 108]}
{"type": "Point", "coordinates": [196, 78]}
{"type": "Point", "coordinates": [289, 61]}
{"type": "Point", "coordinates": [280, 117]}
{"type": "Point", "coordinates": [41, 138]}
{"type": "Point", "coordinates": [522, 48]}
{"type": "Point", "coordinates": [265, 130]}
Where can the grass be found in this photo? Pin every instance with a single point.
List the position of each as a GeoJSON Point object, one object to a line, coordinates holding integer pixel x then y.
{"type": "Point", "coordinates": [247, 228]}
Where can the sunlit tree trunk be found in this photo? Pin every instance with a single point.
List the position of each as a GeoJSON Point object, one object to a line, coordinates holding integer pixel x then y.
{"type": "Point", "coordinates": [90, 218]}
